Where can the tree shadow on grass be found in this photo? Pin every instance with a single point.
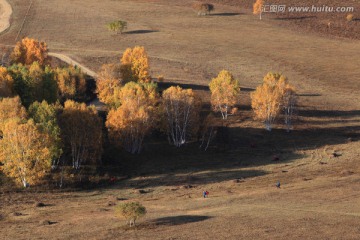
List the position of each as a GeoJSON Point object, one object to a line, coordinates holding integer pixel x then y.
{"type": "Point", "coordinates": [141, 31]}
{"type": "Point", "coordinates": [165, 85]}
{"type": "Point", "coordinates": [226, 14]}
{"type": "Point", "coordinates": [293, 18]}
{"type": "Point", "coordinates": [179, 220]}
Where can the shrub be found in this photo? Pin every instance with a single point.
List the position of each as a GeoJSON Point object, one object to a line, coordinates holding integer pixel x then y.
{"type": "Point", "coordinates": [131, 211]}
{"type": "Point", "coordinates": [350, 17]}
{"type": "Point", "coordinates": [117, 26]}
{"type": "Point", "coordinates": [203, 8]}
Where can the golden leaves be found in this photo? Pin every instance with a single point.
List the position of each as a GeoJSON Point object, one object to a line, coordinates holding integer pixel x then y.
{"type": "Point", "coordinates": [29, 50]}
{"type": "Point", "coordinates": [225, 91]}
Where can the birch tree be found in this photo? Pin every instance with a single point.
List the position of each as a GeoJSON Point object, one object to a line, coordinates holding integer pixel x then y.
{"type": "Point", "coordinates": [24, 152]}
{"type": "Point", "coordinates": [225, 92]}
{"type": "Point", "coordinates": [135, 118]}
{"type": "Point", "coordinates": [289, 104]}
{"type": "Point", "coordinates": [135, 65]}
{"type": "Point", "coordinates": [273, 96]}
{"type": "Point", "coordinates": [82, 133]}
{"type": "Point", "coordinates": [6, 83]}
{"type": "Point", "coordinates": [108, 83]}
{"type": "Point", "coordinates": [45, 118]}
{"type": "Point", "coordinates": [258, 8]}
{"type": "Point", "coordinates": [182, 108]}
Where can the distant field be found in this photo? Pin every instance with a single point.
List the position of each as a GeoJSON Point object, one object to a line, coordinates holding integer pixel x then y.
{"type": "Point", "coordinates": [320, 193]}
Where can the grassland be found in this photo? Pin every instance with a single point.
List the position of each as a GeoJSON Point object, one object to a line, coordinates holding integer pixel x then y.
{"type": "Point", "coordinates": [320, 194]}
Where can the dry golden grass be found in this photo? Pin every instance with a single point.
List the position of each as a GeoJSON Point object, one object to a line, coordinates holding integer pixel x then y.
{"type": "Point", "coordinates": [319, 197]}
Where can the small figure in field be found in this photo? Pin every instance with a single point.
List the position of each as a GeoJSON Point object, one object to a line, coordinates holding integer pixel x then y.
{"type": "Point", "coordinates": [205, 194]}
{"type": "Point", "coordinates": [278, 184]}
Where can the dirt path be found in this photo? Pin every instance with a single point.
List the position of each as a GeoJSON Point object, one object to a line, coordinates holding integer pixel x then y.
{"type": "Point", "coordinates": [70, 61]}
{"type": "Point", "coordinates": [5, 14]}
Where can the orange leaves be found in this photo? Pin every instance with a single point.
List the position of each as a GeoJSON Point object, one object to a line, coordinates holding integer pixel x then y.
{"type": "Point", "coordinates": [225, 91]}
{"type": "Point", "coordinates": [6, 83]}
{"type": "Point", "coordinates": [258, 7]}
{"type": "Point", "coordinates": [29, 50]}
{"type": "Point", "coordinates": [108, 81]}
{"type": "Point", "coordinates": [135, 65]}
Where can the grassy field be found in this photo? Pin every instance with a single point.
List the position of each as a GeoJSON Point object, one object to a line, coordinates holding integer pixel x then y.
{"type": "Point", "coordinates": [320, 194]}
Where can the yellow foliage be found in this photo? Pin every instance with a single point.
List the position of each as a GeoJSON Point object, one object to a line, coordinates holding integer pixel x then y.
{"type": "Point", "coordinates": [269, 98]}
{"type": "Point", "coordinates": [82, 130]}
{"type": "Point", "coordinates": [135, 65]}
{"type": "Point", "coordinates": [129, 124]}
{"type": "Point", "coordinates": [6, 83]}
{"type": "Point", "coordinates": [182, 108]}
{"type": "Point", "coordinates": [109, 79]}
{"type": "Point", "coordinates": [225, 91]}
{"type": "Point", "coordinates": [29, 50]}
{"type": "Point", "coordinates": [71, 83]}
{"type": "Point", "coordinates": [11, 109]}
{"type": "Point", "coordinates": [24, 151]}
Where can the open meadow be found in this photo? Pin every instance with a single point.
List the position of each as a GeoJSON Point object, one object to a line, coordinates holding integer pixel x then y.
{"type": "Point", "coordinates": [317, 163]}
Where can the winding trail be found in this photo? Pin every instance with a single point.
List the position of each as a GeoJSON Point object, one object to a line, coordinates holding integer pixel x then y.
{"type": "Point", "coordinates": [5, 14]}
{"type": "Point", "coordinates": [71, 61]}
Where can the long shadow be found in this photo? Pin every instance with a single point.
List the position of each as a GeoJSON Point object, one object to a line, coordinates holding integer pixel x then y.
{"type": "Point", "coordinates": [293, 18]}
{"type": "Point", "coordinates": [310, 95]}
{"type": "Point", "coordinates": [329, 113]}
{"type": "Point", "coordinates": [226, 14]}
{"type": "Point", "coordinates": [164, 85]}
{"type": "Point", "coordinates": [141, 31]}
{"type": "Point", "coordinates": [179, 220]}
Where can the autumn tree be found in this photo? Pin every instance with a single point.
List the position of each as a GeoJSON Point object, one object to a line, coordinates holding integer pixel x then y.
{"type": "Point", "coordinates": [225, 90]}
{"type": "Point", "coordinates": [10, 109]}
{"type": "Point", "coordinates": [182, 107]}
{"type": "Point", "coordinates": [108, 83]}
{"type": "Point", "coordinates": [29, 50]}
{"type": "Point", "coordinates": [34, 83]}
{"type": "Point", "coordinates": [71, 83]}
{"type": "Point", "coordinates": [6, 83]}
{"type": "Point", "coordinates": [131, 211]}
{"type": "Point", "coordinates": [258, 8]}
{"type": "Point", "coordinates": [203, 8]}
{"type": "Point", "coordinates": [289, 104]}
{"type": "Point", "coordinates": [271, 97]}
{"type": "Point", "coordinates": [45, 118]}
{"type": "Point", "coordinates": [42, 83]}
{"type": "Point", "coordinates": [81, 129]}
{"type": "Point", "coordinates": [24, 152]}
{"type": "Point", "coordinates": [117, 26]}
{"type": "Point", "coordinates": [207, 131]}
{"type": "Point", "coordinates": [135, 118]}
{"type": "Point", "coordinates": [135, 65]}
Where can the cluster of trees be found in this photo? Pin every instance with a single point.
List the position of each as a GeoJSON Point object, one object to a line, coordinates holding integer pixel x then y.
{"type": "Point", "coordinates": [40, 123]}
{"type": "Point", "coordinates": [273, 97]}
{"type": "Point", "coordinates": [44, 123]}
